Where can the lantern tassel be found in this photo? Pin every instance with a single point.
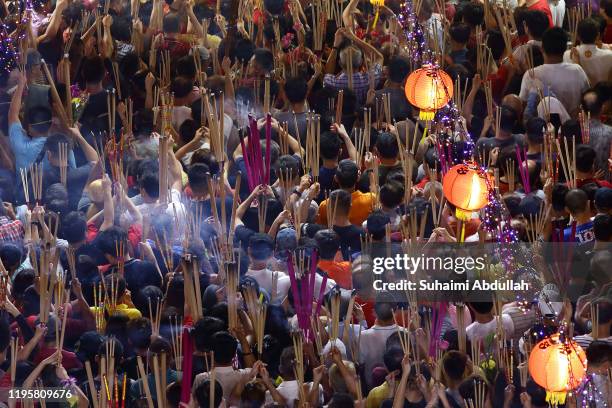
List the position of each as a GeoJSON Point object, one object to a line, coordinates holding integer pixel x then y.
{"type": "Point", "coordinates": [375, 18]}
{"type": "Point", "coordinates": [556, 398]}
{"type": "Point", "coordinates": [426, 116]}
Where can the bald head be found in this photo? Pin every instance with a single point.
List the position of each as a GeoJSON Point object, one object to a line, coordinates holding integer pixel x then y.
{"type": "Point", "coordinates": [513, 101]}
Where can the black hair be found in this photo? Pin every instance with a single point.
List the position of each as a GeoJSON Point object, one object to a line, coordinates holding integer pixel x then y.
{"type": "Point", "coordinates": [473, 14]}
{"type": "Point", "coordinates": [386, 144]}
{"type": "Point", "coordinates": [187, 130]}
{"type": "Point", "coordinates": [39, 118]}
{"type": "Point", "coordinates": [264, 58]}
{"type": "Point", "coordinates": [55, 198]}
{"type": "Point", "coordinates": [341, 400]}
{"type": "Point", "coordinates": [296, 89]}
{"type": "Point", "coordinates": [602, 227]}
{"type": "Point", "coordinates": [93, 70]}
{"type": "Point", "coordinates": [224, 346]}
{"type": "Point", "coordinates": [576, 201]}
{"type": "Point", "coordinates": [171, 23]}
{"type": "Point", "coordinates": [537, 23]}
{"type": "Point", "coordinates": [204, 330]}
{"type": "Point", "coordinates": [181, 86]}
{"type": "Point", "coordinates": [559, 191]}
{"type": "Point", "coordinates": [341, 201]}
{"type": "Point", "coordinates": [261, 246]}
{"type": "Point", "coordinates": [554, 41]}
{"type": "Point", "coordinates": [5, 335]}
{"type": "Point", "coordinates": [392, 193]}
{"type": "Point", "coordinates": [347, 173]}
{"type": "Point", "coordinates": [508, 118]}
{"type": "Point", "coordinates": [121, 29]}
{"type": "Point", "coordinates": [481, 307]}
{"type": "Point", "coordinates": [289, 165]}
{"type": "Point", "coordinates": [376, 224]}
{"type": "Point", "coordinates": [330, 145]}
{"type": "Point", "coordinates": [149, 182]}
{"type": "Point", "coordinates": [459, 32]}
{"type": "Point", "coordinates": [22, 281]}
{"type": "Point", "coordinates": [592, 101]}
{"type": "Point", "coordinates": [147, 294]}
{"type": "Point", "coordinates": [202, 394]}
{"type": "Point", "coordinates": [11, 255]}
{"type": "Point", "coordinates": [116, 282]}
{"type": "Point", "coordinates": [398, 69]}
{"type": "Point", "coordinates": [107, 240]}
{"type": "Point", "coordinates": [535, 129]}
{"type": "Point", "coordinates": [454, 363]}
{"type": "Point", "coordinates": [328, 243]}
{"type": "Point", "coordinates": [585, 158]}
{"type": "Point", "coordinates": [384, 311]}
{"type": "Point", "coordinates": [495, 42]}
{"type": "Point", "coordinates": [139, 332]}
{"type": "Point", "coordinates": [74, 227]}
{"type": "Point", "coordinates": [198, 177]}
{"type": "Point", "coordinates": [107, 344]}
{"type": "Point", "coordinates": [185, 67]}
{"type": "Point", "coordinates": [588, 30]}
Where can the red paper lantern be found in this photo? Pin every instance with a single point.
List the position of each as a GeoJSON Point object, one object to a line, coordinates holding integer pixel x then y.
{"type": "Point", "coordinates": [465, 187]}
{"type": "Point", "coordinates": [429, 89]}
{"type": "Point", "coordinates": [557, 366]}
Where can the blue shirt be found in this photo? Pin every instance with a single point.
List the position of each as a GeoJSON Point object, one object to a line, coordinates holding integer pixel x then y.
{"type": "Point", "coordinates": [584, 233]}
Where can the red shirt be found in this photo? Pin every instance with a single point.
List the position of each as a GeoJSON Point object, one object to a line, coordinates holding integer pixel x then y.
{"type": "Point", "coordinates": [542, 5]}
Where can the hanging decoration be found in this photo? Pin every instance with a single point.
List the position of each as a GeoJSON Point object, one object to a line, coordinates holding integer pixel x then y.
{"type": "Point", "coordinates": [558, 365]}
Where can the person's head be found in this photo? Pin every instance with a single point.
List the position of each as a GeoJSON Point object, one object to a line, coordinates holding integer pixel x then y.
{"type": "Point", "coordinates": [93, 71]}
{"type": "Point", "coordinates": [341, 400]}
{"type": "Point", "coordinates": [198, 175]}
{"type": "Point", "coordinates": [261, 247]}
{"type": "Point", "coordinates": [592, 102]}
{"type": "Point", "coordinates": [336, 381]}
{"type": "Point", "coordinates": [535, 130]}
{"type": "Point", "coordinates": [398, 69]}
{"type": "Point", "coordinates": [459, 33]}
{"type": "Point", "coordinates": [55, 198]}
{"type": "Point", "coordinates": [52, 148]}
{"type": "Point", "coordinates": [603, 200]}
{"type": "Point", "coordinates": [602, 227]}
{"type": "Point", "coordinates": [537, 394]}
{"type": "Point", "coordinates": [108, 240]}
{"type": "Point", "coordinates": [352, 53]}
{"type": "Point", "coordinates": [289, 166]}
{"type": "Point", "coordinates": [204, 330]}
{"type": "Point", "coordinates": [330, 145]}
{"type": "Point", "coordinates": [467, 389]}
{"type": "Point", "coordinates": [577, 202]}
{"type": "Point", "coordinates": [286, 363]}
{"type": "Point", "coordinates": [181, 87]}
{"type": "Point", "coordinates": [171, 24]}
{"type": "Point", "coordinates": [74, 227]}
{"type": "Point", "coordinates": [508, 119]}
{"type": "Point", "coordinates": [376, 224]}
{"type": "Point", "coordinates": [263, 61]}
{"type": "Point", "coordinates": [114, 285]}
{"type": "Point", "coordinates": [201, 394]}
{"type": "Point", "coordinates": [454, 364]}
{"type": "Point", "coordinates": [148, 184]}
{"type": "Point", "coordinates": [384, 312]}
{"type": "Point", "coordinates": [139, 333]}
{"type": "Point", "coordinates": [588, 30]}
{"type": "Point", "coordinates": [481, 308]}
{"type": "Point", "coordinates": [535, 23]}
{"type": "Point", "coordinates": [328, 243]}
{"type": "Point", "coordinates": [347, 174]}
{"type": "Point", "coordinates": [386, 146]}
{"type": "Point", "coordinates": [554, 42]}
{"type": "Point", "coordinates": [38, 120]}
{"type": "Point", "coordinates": [473, 14]}
{"type": "Point", "coordinates": [224, 346]}
{"type": "Point", "coordinates": [296, 89]}
{"type": "Point", "coordinates": [391, 194]}
{"type": "Point", "coordinates": [559, 191]}
{"type": "Point", "coordinates": [339, 203]}
{"type": "Point", "coordinates": [585, 158]}
{"type": "Point", "coordinates": [599, 356]}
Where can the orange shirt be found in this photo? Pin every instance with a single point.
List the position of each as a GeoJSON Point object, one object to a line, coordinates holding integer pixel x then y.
{"type": "Point", "coordinates": [339, 271]}
{"type": "Point", "coordinates": [362, 205]}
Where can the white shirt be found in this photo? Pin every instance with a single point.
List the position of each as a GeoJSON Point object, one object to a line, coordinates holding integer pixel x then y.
{"type": "Point", "coordinates": [226, 376]}
{"type": "Point", "coordinates": [567, 81]}
{"type": "Point", "coordinates": [478, 331]}
{"type": "Point", "coordinates": [372, 348]}
{"type": "Point", "coordinates": [289, 391]}
{"type": "Point", "coordinates": [264, 279]}
{"type": "Point", "coordinates": [520, 52]}
{"type": "Point", "coordinates": [596, 62]}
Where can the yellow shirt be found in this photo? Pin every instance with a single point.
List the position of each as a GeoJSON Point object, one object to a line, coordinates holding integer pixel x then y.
{"type": "Point", "coordinates": [377, 395]}
{"type": "Point", "coordinates": [131, 313]}
{"type": "Point", "coordinates": [362, 205]}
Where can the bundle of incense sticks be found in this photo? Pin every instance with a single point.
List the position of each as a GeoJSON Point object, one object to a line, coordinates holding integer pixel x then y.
{"type": "Point", "coordinates": [298, 368]}
{"type": "Point", "coordinates": [99, 296]}
{"type": "Point", "coordinates": [111, 107]}
{"type": "Point", "coordinates": [303, 293]}
{"type": "Point", "coordinates": [164, 146]}
{"type": "Point", "coordinates": [36, 177]}
{"type": "Point", "coordinates": [256, 309]}
{"type": "Point", "coordinates": [24, 184]}
{"type": "Point", "coordinates": [63, 162]}
{"type": "Point", "coordinates": [594, 320]}
{"type": "Point", "coordinates": [313, 137]}
{"type": "Point", "coordinates": [54, 95]}
{"type": "Point", "coordinates": [116, 79]}
{"type": "Point", "coordinates": [537, 222]}
{"type": "Point", "coordinates": [349, 67]}
{"type": "Point", "coordinates": [231, 288]}
{"type": "Point", "coordinates": [155, 317]}
{"type": "Point", "coordinates": [348, 318]}
{"type": "Point", "coordinates": [585, 127]}
{"type": "Point", "coordinates": [510, 171]}
{"type": "Point", "coordinates": [66, 74]}
{"type": "Point", "coordinates": [262, 210]}
{"type": "Point", "coordinates": [568, 161]}
{"type": "Point", "coordinates": [145, 382]}
{"type": "Point", "coordinates": [257, 167]}
{"type": "Point", "coordinates": [334, 309]}
{"type": "Point", "coordinates": [318, 25]}
{"type": "Point", "coordinates": [165, 250]}
{"type": "Point", "coordinates": [574, 16]}
{"type": "Point", "coordinates": [212, 380]}
{"type": "Point", "coordinates": [214, 112]}
{"type": "Point", "coordinates": [529, 62]}
{"type": "Point", "coordinates": [159, 385]}
{"type": "Point", "coordinates": [521, 157]}
{"type": "Point", "coordinates": [339, 106]}
{"type": "Point", "coordinates": [460, 313]}
{"type": "Point", "coordinates": [438, 316]}
{"type": "Point", "coordinates": [13, 369]}
{"type": "Point", "coordinates": [402, 332]}
{"type": "Point", "coordinates": [176, 337]}
{"type": "Point", "coordinates": [523, 370]}
{"type": "Point", "coordinates": [191, 274]}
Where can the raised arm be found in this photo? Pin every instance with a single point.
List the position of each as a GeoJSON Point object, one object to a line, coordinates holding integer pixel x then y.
{"type": "Point", "coordinates": [109, 207]}
{"type": "Point", "coordinates": [54, 22]}
{"type": "Point", "coordinates": [90, 153]}
{"type": "Point", "coordinates": [13, 114]}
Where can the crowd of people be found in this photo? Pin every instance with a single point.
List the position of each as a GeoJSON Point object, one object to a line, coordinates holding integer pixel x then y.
{"type": "Point", "coordinates": [192, 192]}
